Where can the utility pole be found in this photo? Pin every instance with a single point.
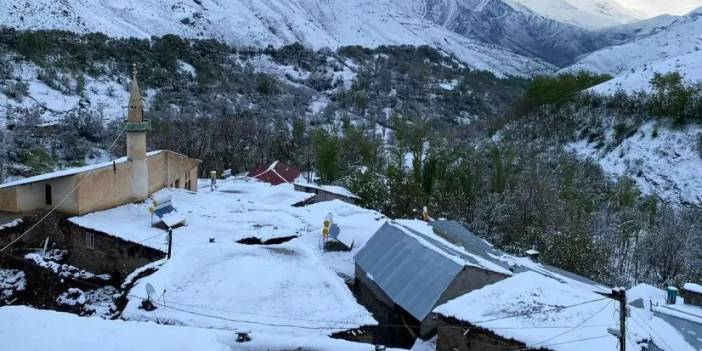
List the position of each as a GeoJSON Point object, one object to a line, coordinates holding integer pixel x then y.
{"type": "Point", "coordinates": [619, 294]}
{"type": "Point", "coordinates": [170, 241]}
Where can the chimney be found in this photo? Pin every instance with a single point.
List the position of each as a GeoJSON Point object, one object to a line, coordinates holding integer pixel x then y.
{"type": "Point", "coordinates": [136, 129]}
{"type": "Point", "coordinates": [533, 254]}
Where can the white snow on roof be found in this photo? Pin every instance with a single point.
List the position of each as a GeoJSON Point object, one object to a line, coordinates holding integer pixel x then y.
{"type": "Point", "coordinates": [334, 189]}
{"type": "Point", "coordinates": [458, 254]}
{"type": "Point", "coordinates": [285, 287]}
{"type": "Point", "coordinates": [241, 209]}
{"type": "Point", "coordinates": [696, 288]}
{"type": "Point", "coordinates": [57, 331]}
{"type": "Point", "coordinates": [70, 171]}
{"type": "Point", "coordinates": [277, 289]}
{"type": "Point", "coordinates": [534, 309]}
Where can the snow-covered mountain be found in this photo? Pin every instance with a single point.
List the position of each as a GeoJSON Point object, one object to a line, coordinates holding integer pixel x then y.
{"type": "Point", "coordinates": [315, 23]}
{"type": "Point", "coordinates": [673, 47]}
{"type": "Point", "coordinates": [511, 25]}
{"type": "Point", "coordinates": [589, 14]}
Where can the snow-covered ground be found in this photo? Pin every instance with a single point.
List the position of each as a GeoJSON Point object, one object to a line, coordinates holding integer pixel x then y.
{"type": "Point", "coordinates": [56, 331]}
{"type": "Point", "coordinates": [316, 24]}
{"type": "Point", "coordinates": [661, 160]}
{"type": "Point", "coordinates": [638, 79]}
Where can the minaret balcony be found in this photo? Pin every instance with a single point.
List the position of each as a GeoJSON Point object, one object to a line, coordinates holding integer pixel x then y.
{"type": "Point", "coordinates": [138, 126]}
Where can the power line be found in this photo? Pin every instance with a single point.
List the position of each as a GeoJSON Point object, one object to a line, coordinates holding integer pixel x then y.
{"type": "Point", "coordinates": [556, 309]}
{"type": "Point", "coordinates": [577, 326]}
{"type": "Point", "coordinates": [45, 216]}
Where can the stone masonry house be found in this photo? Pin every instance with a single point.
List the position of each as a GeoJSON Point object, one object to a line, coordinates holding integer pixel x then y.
{"type": "Point", "coordinates": [404, 271]}
{"type": "Point", "coordinates": [533, 311]}
{"type": "Point", "coordinates": [91, 188]}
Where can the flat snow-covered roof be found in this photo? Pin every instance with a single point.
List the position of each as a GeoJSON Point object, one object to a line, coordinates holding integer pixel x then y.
{"type": "Point", "coordinates": [542, 312]}
{"type": "Point", "coordinates": [70, 171]}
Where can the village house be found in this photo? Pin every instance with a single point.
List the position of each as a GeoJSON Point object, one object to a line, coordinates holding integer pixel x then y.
{"type": "Point", "coordinates": [397, 256]}
{"type": "Point", "coordinates": [326, 193]}
{"type": "Point", "coordinates": [275, 173]}
{"type": "Point", "coordinates": [105, 185]}
{"type": "Point", "coordinates": [92, 188]}
{"type": "Point", "coordinates": [531, 311]}
{"type": "Point", "coordinates": [404, 271]}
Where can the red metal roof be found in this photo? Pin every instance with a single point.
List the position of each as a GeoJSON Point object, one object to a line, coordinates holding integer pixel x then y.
{"type": "Point", "coordinates": [275, 173]}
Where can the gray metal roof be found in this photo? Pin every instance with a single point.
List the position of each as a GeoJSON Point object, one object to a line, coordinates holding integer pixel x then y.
{"type": "Point", "coordinates": [459, 235]}
{"type": "Point", "coordinates": [411, 275]}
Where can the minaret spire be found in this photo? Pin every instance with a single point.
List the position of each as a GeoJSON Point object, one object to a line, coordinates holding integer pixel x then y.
{"type": "Point", "coordinates": [136, 107]}
{"type": "Point", "coordinates": [136, 142]}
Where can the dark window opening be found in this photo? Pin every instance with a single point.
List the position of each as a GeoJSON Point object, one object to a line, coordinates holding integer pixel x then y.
{"type": "Point", "coordinates": [177, 183]}
{"type": "Point", "coordinates": [47, 194]}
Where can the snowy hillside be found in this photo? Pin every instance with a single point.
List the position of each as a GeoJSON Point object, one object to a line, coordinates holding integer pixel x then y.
{"type": "Point", "coordinates": [315, 23]}
{"type": "Point", "coordinates": [513, 26]}
{"type": "Point", "coordinates": [661, 160]}
{"type": "Point", "coordinates": [589, 14]}
{"type": "Point", "coordinates": [689, 65]}
{"type": "Point", "coordinates": [674, 47]}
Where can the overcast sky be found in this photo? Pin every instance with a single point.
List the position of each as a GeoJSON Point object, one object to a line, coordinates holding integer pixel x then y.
{"type": "Point", "coordinates": [651, 8]}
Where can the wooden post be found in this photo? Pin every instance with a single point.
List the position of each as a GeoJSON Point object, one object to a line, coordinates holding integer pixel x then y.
{"type": "Point", "coordinates": [621, 296]}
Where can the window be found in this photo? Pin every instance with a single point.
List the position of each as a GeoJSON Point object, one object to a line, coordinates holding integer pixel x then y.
{"type": "Point", "coordinates": [47, 194]}
{"type": "Point", "coordinates": [177, 183]}
{"type": "Point", "coordinates": [90, 240]}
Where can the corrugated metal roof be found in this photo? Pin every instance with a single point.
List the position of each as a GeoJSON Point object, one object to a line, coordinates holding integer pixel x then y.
{"type": "Point", "coordinates": [458, 234]}
{"type": "Point", "coordinates": [412, 275]}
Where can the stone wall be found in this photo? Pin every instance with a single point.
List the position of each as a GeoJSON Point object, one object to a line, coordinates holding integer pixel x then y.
{"type": "Point", "coordinates": [391, 317]}
{"type": "Point", "coordinates": [691, 297]}
{"type": "Point", "coordinates": [451, 337]}
{"type": "Point", "coordinates": [469, 279]}
{"type": "Point", "coordinates": [109, 254]}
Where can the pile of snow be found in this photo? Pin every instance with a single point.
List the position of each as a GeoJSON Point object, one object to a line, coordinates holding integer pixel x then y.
{"type": "Point", "coordinates": [11, 281]}
{"type": "Point", "coordinates": [544, 313]}
{"type": "Point", "coordinates": [72, 297]}
{"type": "Point", "coordinates": [661, 160]}
{"type": "Point", "coordinates": [11, 224]}
{"type": "Point", "coordinates": [55, 331]}
{"type": "Point", "coordinates": [316, 24]}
